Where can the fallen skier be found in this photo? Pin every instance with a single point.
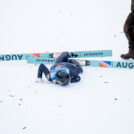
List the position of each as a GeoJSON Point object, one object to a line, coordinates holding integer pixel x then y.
{"type": "Point", "coordinates": [63, 72]}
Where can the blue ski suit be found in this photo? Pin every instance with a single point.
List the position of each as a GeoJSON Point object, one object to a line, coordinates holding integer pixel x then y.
{"type": "Point", "coordinates": [62, 61]}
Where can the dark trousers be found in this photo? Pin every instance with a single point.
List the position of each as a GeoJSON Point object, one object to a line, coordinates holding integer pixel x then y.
{"type": "Point", "coordinates": [129, 30]}
{"type": "Point", "coordinates": [62, 58]}
{"type": "Point", "coordinates": [78, 68]}
{"type": "Point", "coordinates": [71, 64]}
{"type": "Point", "coordinates": [42, 69]}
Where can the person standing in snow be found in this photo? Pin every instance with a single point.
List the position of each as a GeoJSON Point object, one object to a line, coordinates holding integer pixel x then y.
{"type": "Point", "coordinates": [63, 72]}
{"type": "Point", "coordinates": [129, 32]}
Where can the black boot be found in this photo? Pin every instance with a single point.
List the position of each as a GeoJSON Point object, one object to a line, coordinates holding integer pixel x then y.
{"type": "Point", "coordinates": [129, 55]}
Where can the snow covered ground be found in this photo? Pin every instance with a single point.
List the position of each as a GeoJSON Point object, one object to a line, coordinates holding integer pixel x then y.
{"type": "Point", "coordinates": [102, 103]}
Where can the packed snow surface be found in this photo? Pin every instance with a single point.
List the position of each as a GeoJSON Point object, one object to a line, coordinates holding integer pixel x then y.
{"type": "Point", "coordinates": [101, 103]}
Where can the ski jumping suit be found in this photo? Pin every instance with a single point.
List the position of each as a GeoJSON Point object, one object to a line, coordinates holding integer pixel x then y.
{"type": "Point", "coordinates": [73, 65]}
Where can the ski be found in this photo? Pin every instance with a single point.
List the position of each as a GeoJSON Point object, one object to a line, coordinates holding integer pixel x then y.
{"type": "Point", "coordinates": [90, 63]}
{"type": "Point", "coordinates": [77, 54]}
{"type": "Point", "coordinates": [84, 54]}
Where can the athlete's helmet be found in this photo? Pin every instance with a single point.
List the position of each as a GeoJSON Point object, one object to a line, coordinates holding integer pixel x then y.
{"type": "Point", "coordinates": [62, 77]}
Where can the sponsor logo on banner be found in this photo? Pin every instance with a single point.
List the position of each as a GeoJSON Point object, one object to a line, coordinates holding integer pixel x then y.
{"type": "Point", "coordinates": [45, 60]}
{"type": "Point", "coordinates": [93, 54]}
{"type": "Point", "coordinates": [34, 55]}
{"type": "Point", "coordinates": [125, 65]}
{"type": "Point", "coordinates": [11, 57]}
{"type": "Point", "coordinates": [105, 64]}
